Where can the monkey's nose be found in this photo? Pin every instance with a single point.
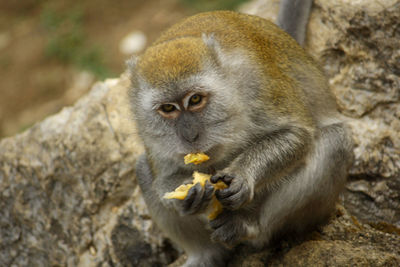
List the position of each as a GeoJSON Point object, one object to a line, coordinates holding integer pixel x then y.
{"type": "Point", "coordinates": [188, 128]}
{"type": "Point", "coordinates": [190, 135]}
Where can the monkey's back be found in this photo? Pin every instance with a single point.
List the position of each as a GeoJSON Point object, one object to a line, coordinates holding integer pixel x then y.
{"type": "Point", "coordinates": [293, 82]}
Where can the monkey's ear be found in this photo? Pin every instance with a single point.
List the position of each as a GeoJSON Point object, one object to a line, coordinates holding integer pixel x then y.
{"type": "Point", "coordinates": [214, 46]}
{"type": "Point", "coordinates": [131, 63]}
{"type": "Point", "coordinates": [132, 72]}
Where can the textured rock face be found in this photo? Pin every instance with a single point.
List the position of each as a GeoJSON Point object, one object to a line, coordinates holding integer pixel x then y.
{"type": "Point", "coordinates": [358, 45]}
{"type": "Point", "coordinates": [361, 55]}
{"type": "Point", "coordinates": [68, 194]}
{"type": "Point", "coordinates": [343, 242]}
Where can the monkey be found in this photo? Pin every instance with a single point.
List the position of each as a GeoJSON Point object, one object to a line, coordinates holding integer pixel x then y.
{"type": "Point", "coordinates": [241, 90]}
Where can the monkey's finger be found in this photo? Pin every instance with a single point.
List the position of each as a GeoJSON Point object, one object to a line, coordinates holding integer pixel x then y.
{"type": "Point", "coordinates": [226, 178]}
{"type": "Point", "coordinates": [235, 198]}
{"type": "Point", "coordinates": [228, 192]}
{"type": "Point", "coordinates": [208, 191]}
{"type": "Point", "coordinates": [198, 200]}
{"type": "Point", "coordinates": [191, 197]}
{"type": "Point", "coordinates": [215, 178]}
{"type": "Point", "coordinates": [203, 199]}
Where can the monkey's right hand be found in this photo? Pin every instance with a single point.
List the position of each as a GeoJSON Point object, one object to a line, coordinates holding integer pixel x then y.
{"type": "Point", "coordinates": [238, 193]}
{"type": "Point", "coordinates": [196, 201]}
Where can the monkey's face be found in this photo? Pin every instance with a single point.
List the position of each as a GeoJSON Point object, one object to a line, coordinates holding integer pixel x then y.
{"type": "Point", "coordinates": [198, 114]}
{"type": "Point", "coordinates": [190, 97]}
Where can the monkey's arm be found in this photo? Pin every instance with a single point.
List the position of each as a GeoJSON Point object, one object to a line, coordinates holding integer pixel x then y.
{"type": "Point", "coordinates": [293, 18]}
{"type": "Point", "coordinates": [263, 165]}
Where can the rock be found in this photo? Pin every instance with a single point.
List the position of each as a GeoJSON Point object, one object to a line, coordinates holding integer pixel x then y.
{"type": "Point", "coordinates": [68, 192]}
{"type": "Point", "coordinates": [68, 195]}
{"type": "Point", "coordinates": [80, 84]}
{"type": "Point", "coordinates": [358, 44]}
{"type": "Point", "coordinates": [264, 8]}
{"type": "Point", "coordinates": [343, 242]}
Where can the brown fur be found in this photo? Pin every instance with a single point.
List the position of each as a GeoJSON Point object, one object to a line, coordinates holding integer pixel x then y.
{"type": "Point", "coordinates": [170, 61]}
{"type": "Point", "coordinates": [180, 52]}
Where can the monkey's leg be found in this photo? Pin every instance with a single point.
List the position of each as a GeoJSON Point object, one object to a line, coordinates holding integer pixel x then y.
{"type": "Point", "coordinates": [309, 195]}
{"type": "Point", "coordinates": [188, 232]}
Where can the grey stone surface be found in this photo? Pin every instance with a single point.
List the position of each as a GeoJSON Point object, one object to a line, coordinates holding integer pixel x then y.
{"type": "Point", "coordinates": [343, 242]}
{"type": "Point", "coordinates": [358, 43]}
{"type": "Point", "coordinates": [68, 194]}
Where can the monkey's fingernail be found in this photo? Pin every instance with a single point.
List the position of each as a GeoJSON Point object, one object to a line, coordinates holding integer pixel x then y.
{"type": "Point", "coordinates": [215, 178]}
{"type": "Point", "coordinates": [227, 179]}
{"type": "Point", "coordinates": [208, 185]}
{"type": "Point", "coordinates": [189, 198]}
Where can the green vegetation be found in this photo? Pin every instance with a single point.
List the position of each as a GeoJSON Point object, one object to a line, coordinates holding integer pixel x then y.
{"type": "Point", "coordinates": [207, 5]}
{"type": "Point", "coordinates": [67, 42]}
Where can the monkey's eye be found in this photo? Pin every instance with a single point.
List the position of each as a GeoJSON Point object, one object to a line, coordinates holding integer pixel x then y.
{"type": "Point", "coordinates": [167, 108]}
{"type": "Point", "coordinates": [195, 99]}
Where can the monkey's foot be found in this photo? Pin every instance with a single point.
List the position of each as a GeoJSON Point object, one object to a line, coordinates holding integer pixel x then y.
{"type": "Point", "coordinates": [229, 229]}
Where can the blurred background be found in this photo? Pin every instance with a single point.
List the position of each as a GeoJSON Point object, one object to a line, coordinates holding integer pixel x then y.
{"type": "Point", "coordinates": [52, 51]}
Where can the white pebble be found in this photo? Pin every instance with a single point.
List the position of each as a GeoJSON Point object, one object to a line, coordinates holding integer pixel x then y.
{"type": "Point", "coordinates": [134, 42]}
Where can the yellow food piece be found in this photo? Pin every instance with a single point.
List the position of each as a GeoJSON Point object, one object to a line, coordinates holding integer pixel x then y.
{"type": "Point", "coordinates": [216, 208]}
{"type": "Point", "coordinates": [179, 193]}
{"type": "Point", "coordinates": [182, 191]}
{"type": "Point", "coordinates": [201, 178]}
{"type": "Point", "coordinates": [196, 158]}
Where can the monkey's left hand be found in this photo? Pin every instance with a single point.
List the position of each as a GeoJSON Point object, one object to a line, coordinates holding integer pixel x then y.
{"type": "Point", "coordinates": [238, 193]}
